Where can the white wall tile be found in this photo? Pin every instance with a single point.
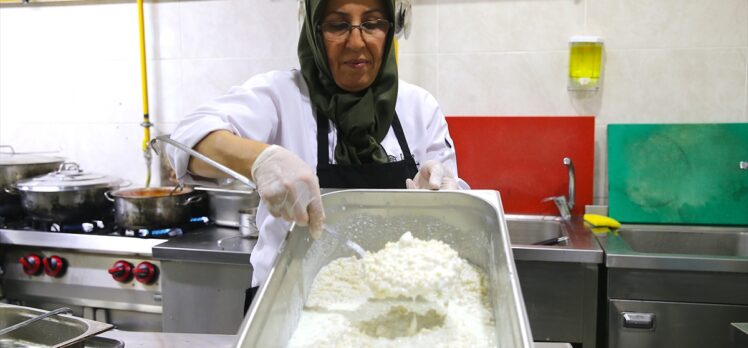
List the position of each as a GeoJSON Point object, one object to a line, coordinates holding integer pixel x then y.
{"type": "Point", "coordinates": [651, 86]}
{"type": "Point", "coordinates": [163, 23]}
{"type": "Point", "coordinates": [669, 23]}
{"type": "Point", "coordinates": [501, 26]}
{"type": "Point", "coordinates": [103, 31]}
{"type": "Point", "coordinates": [165, 90]}
{"type": "Point", "coordinates": [93, 91]}
{"type": "Point", "coordinates": [205, 79]}
{"type": "Point", "coordinates": [112, 149]}
{"type": "Point", "coordinates": [600, 176]}
{"type": "Point", "coordinates": [70, 78]}
{"type": "Point", "coordinates": [745, 55]}
{"type": "Point", "coordinates": [421, 70]}
{"type": "Point", "coordinates": [504, 84]}
{"type": "Point", "coordinates": [424, 32]}
{"type": "Point", "coordinates": [35, 92]}
{"type": "Point", "coordinates": [239, 29]}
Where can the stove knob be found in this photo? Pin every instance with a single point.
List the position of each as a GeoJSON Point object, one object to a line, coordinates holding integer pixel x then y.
{"type": "Point", "coordinates": [31, 263]}
{"type": "Point", "coordinates": [54, 266]}
{"type": "Point", "coordinates": [121, 271]}
{"type": "Point", "coordinates": [146, 272]}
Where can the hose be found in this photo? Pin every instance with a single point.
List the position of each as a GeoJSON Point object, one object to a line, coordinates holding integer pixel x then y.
{"type": "Point", "coordinates": [146, 124]}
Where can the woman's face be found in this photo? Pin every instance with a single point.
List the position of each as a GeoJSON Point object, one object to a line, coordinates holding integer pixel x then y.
{"type": "Point", "coordinates": [354, 57]}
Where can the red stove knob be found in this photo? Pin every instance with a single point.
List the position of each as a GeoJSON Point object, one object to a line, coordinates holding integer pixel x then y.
{"type": "Point", "coordinates": [54, 266]}
{"type": "Point", "coordinates": [121, 271]}
{"type": "Point", "coordinates": [146, 272]}
{"type": "Point", "coordinates": [31, 263]}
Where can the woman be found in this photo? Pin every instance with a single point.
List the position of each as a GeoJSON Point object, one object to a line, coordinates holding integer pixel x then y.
{"type": "Point", "coordinates": [343, 121]}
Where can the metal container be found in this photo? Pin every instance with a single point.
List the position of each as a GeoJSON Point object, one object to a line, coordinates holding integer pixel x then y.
{"type": "Point", "coordinates": [56, 331]}
{"type": "Point", "coordinates": [231, 207]}
{"type": "Point", "coordinates": [154, 207]}
{"type": "Point", "coordinates": [472, 226]}
{"type": "Point", "coordinates": [18, 166]}
{"type": "Point", "coordinates": [68, 194]}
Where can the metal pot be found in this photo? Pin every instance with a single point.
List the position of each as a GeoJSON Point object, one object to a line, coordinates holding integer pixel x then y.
{"type": "Point", "coordinates": [18, 166]}
{"type": "Point", "coordinates": [154, 207]}
{"type": "Point", "coordinates": [231, 207]}
{"type": "Point", "coordinates": [68, 195]}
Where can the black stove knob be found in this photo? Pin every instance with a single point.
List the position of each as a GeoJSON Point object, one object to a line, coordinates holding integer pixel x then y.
{"type": "Point", "coordinates": [54, 266]}
{"type": "Point", "coordinates": [121, 271]}
{"type": "Point", "coordinates": [146, 272]}
{"type": "Point", "coordinates": [31, 263]}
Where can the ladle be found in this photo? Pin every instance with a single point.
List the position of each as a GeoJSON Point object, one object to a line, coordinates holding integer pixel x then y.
{"type": "Point", "coordinates": [244, 180]}
{"type": "Point", "coordinates": [347, 241]}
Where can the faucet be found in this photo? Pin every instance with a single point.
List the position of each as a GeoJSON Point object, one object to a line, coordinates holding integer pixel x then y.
{"type": "Point", "coordinates": [564, 204]}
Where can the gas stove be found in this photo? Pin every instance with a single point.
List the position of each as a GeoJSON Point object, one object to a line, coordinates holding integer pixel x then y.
{"type": "Point", "coordinates": [101, 227]}
{"type": "Point", "coordinates": [102, 272]}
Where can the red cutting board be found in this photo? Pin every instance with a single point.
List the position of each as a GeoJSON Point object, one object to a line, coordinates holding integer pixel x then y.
{"type": "Point", "coordinates": [522, 157]}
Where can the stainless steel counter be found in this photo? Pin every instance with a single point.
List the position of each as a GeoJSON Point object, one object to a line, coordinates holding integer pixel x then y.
{"type": "Point", "coordinates": [210, 244]}
{"type": "Point", "coordinates": [677, 248]}
{"type": "Point", "coordinates": [679, 286]}
{"type": "Point", "coordinates": [581, 247]}
{"type": "Point", "coordinates": [180, 340]}
{"type": "Point", "coordinates": [170, 340]}
{"type": "Point", "coordinates": [80, 242]}
{"type": "Point", "coordinates": [210, 264]}
{"type": "Point", "coordinates": [739, 335]}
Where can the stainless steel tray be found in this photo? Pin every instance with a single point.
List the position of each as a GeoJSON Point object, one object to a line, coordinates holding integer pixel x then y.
{"type": "Point", "coordinates": [55, 331]}
{"type": "Point", "coordinates": [466, 220]}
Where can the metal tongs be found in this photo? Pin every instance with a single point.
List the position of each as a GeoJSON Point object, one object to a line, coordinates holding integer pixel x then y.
{"type": "Point", "coordinates": [35, 319]}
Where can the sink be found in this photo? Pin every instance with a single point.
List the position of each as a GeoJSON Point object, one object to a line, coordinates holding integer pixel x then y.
{"type": "Point", "coordinates": [55, 331]}
{"type": "Point", "coordinates": [531, 229]}
{"type": "Point", "coordinates": [677, 247]}
{"type": "Point", "coordinates": [687, 240]}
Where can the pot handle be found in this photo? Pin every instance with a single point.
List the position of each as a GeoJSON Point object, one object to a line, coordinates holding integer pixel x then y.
{"type": "Point", "coordinates": [12, 151]}
{"type": "Point", "coordinates": [69, 167]}
{"type": "Point", "coordinates": [108, 195]}
{"type": "Point", "coordinates": [193, 199]}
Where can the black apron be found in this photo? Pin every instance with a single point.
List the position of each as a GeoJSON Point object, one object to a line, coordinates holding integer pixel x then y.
{"type": "Point", "coordinates": [391, 175]}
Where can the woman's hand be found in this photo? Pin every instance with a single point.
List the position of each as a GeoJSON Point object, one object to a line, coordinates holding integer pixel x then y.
{"type": "Point", "coordinates": [289, 187]}
{"type": "Point", "coordinates": [432, 176]}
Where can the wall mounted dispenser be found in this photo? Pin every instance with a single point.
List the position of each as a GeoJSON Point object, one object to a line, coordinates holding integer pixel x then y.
{"type": "Point", "coordinates": [585, 62]}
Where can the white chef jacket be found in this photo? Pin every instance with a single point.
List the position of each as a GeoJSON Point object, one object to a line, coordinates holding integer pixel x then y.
{"type": "Point", "coordinates": [275, 108]}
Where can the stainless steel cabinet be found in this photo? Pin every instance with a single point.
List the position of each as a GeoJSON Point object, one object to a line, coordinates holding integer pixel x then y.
{"type": "Point", "coordinates": [671, 324]}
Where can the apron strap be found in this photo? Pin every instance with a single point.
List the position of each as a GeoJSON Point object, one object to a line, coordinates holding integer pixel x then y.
{"type": "Point", "coordinates": [323, 146]}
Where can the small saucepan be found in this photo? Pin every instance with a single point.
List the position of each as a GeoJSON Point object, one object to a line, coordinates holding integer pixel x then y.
{"type": "Point", "coordinates": [153, 207]}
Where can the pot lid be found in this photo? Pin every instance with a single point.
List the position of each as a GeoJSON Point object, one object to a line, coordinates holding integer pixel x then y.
{"type": "Point", "coordinates": [68, 178]}
{"type": "Point", "coordinates": [16, 158]}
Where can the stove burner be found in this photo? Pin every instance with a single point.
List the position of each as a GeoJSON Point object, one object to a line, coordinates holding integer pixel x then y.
{"type": "Point", "coordinates": [101, 227]}
{"type": "Point", "coordinates": [176, 231]}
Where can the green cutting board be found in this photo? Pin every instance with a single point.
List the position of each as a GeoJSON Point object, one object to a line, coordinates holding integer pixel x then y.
{"type": "Point", "coordinates": [678, 173]}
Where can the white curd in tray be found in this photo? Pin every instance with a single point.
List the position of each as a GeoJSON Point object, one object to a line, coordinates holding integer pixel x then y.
{"type": "Point", "coordinates": [412, 293]}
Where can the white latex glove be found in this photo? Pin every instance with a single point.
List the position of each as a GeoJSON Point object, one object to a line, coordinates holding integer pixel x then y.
{"type": "Point", "coordinates": [432, 176]}
{"type": "Point", "coordinates": [289, 188]}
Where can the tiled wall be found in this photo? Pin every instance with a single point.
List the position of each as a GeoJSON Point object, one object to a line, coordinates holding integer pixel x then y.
{"type": "Point", "coordinates": [70, 76]}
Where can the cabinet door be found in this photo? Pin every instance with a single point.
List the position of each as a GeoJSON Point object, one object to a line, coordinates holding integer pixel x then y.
{"type": "Point", "coordinates": [678, 173]}
{"type": "Point", "coordinates": [649, 324]}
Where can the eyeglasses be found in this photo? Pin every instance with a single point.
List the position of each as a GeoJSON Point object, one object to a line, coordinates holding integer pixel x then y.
{"type": "Point", "coordinates": [334, 31]}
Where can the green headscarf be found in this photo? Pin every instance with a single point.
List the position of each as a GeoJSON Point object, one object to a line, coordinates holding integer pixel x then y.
{"type": "Point", "coordinates": [362, 118]}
